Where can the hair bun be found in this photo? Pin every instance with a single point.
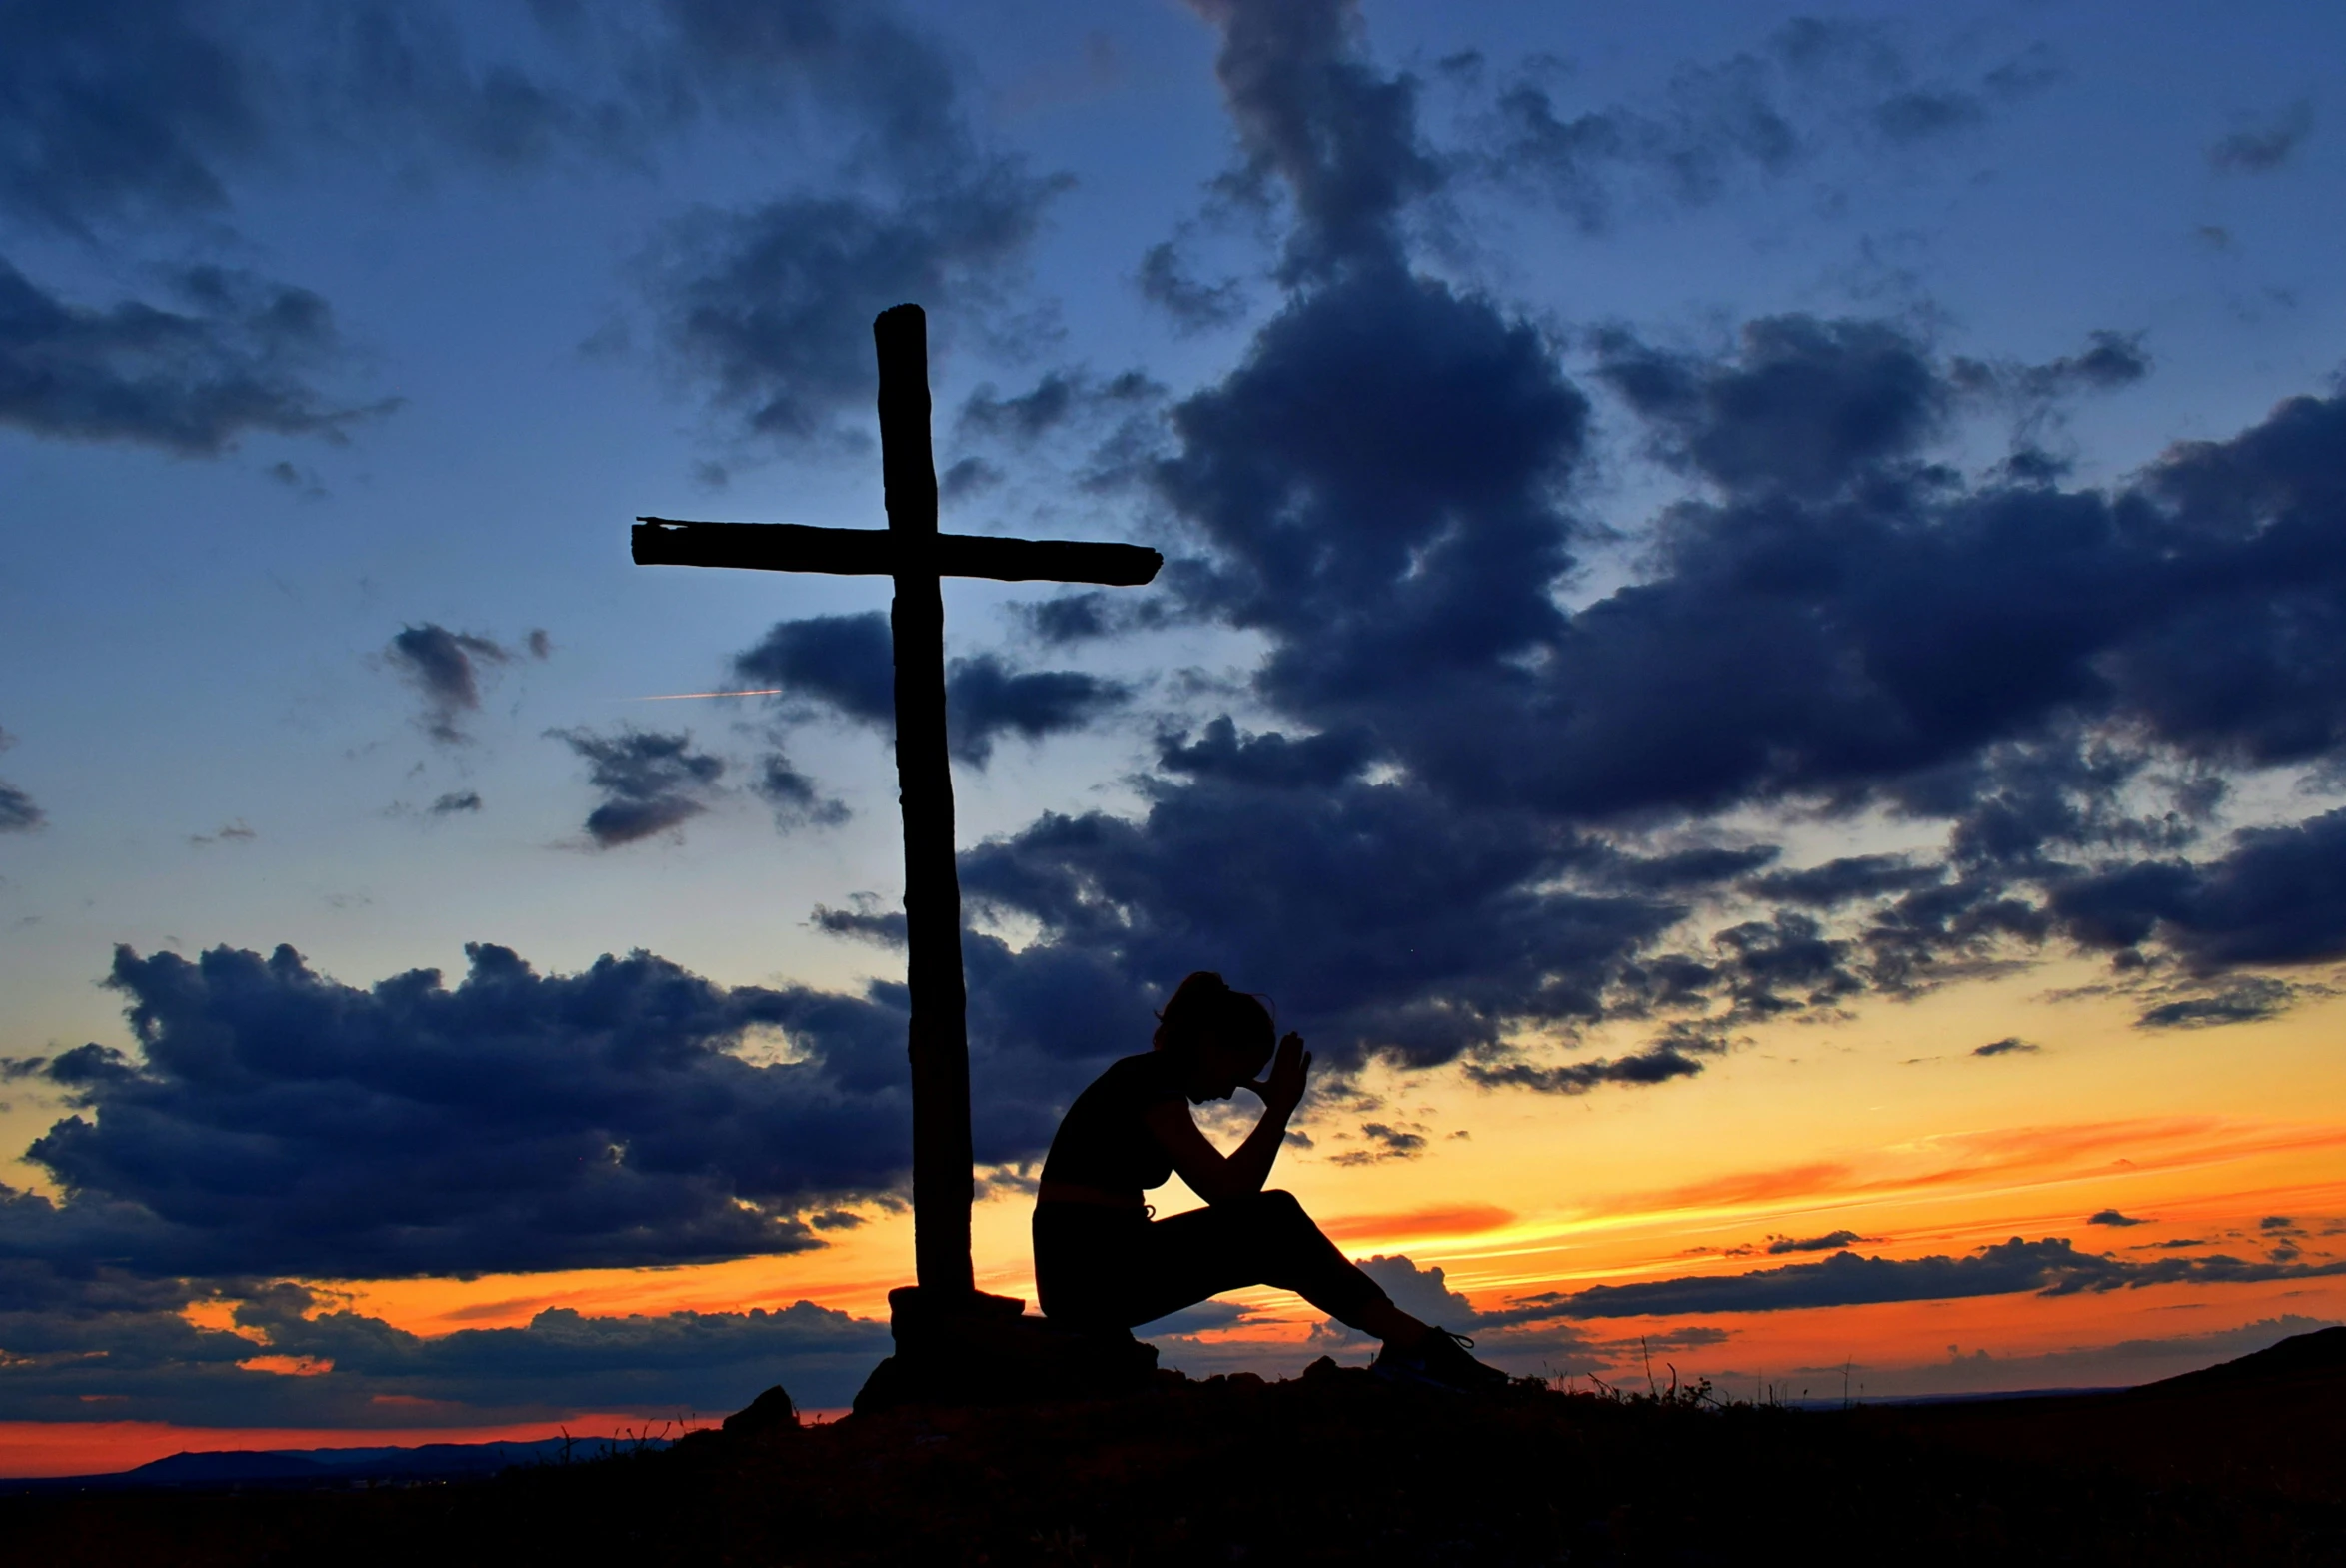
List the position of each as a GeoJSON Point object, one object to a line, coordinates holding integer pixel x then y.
{"type": "Point", "coordinates": [1205, 1003]}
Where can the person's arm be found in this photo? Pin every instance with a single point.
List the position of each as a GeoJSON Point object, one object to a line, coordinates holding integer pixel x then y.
{"type": "Point", "coordinates": [1213, 1175]}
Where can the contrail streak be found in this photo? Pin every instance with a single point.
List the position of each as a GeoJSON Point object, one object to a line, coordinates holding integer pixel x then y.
{"type": "Point", "coordinates": [678, 697]}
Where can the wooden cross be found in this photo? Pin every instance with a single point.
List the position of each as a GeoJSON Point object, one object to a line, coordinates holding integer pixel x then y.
{"type": "Point", "coordinates": [916, 555]}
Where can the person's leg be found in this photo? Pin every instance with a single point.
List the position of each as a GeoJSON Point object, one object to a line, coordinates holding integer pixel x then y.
{"type": "Point", "coordinates": [1083, 1273]}
{"type": "Point", "coordinates": [1268, 1239]}
{"type": "Point", "coordinates": [1262, 1239]}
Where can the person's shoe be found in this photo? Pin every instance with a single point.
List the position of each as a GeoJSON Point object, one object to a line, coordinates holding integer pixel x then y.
{"type": "Point", "coordinates": [1440, 1360]}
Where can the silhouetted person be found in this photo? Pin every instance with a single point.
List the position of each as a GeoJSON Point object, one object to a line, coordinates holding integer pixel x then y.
{"type": "Point", "coordinates": [1102, 1259]}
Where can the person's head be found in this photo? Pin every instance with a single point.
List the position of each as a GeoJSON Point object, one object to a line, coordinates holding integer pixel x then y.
{"type": "Point", "coordinates": [1223, 1038]}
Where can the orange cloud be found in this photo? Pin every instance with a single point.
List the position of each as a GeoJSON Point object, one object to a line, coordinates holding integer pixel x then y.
{"type": "Point", "coordinates": [1464, 1219]}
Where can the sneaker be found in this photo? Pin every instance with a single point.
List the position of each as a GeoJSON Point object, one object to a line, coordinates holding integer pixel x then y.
{"type": "Point", "coordinates": [1440, 1361]}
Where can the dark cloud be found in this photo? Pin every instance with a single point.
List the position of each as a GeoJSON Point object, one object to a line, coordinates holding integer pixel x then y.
{"type": "Point", "coordinates": [2011, 1046]}
{"type": "Point", "coordinates": [1887, 642]}
{"type": "Point", "coordinates": [1380, 490]}
{"type": "Point", "coordinates": [1166, 281]}
{"type": "Point", "coordinates": [155, 110]}
{"type": "Point", "coordinates": [239, 354]}
{"type": "Point", "coordinates": [159, 111]}
{"type": "Point", "coordinates": [2110, 1216]}
{"type": "Point", "coordinates": [278, 1122]}
{"type": "Point", "coordinates": [1919, 115]}
{"type": "Point", "coordinates": [651, 781]}
{"type": "Point", "coordinates": [1687, 870]}
{"type": "Point", "coordinates": [1384, 1143]}
{"type": "Point", "coordinates": [2273, 898]}
{"type": "Point", "coordinates": [1657, 1065]}
{"type": "Point", "coordinates": [846, 664]}
{"type": "Point", "coordinates": [1061, 397]}
{"type": "Point", "coordinates": [2113, 358]}
{"type": "Point", "coordinates": [2276, 1223]}
{"type": "Point", "coordinates": [1839, 1241]}
{"type": "Point", "coordinates": [1716, 121]}
{"type": "Point", "coordinates": [1752, 116]}
{"type": "Point", "coordinates": [445, 669]}
{"type": "Point", "coordinates": [864, 922]}
{"type": "Point", "coordinates": [1763, 960]}
{"type": "Point", "coordinates": [2036, 396]}
{"type": "Point", "coordinates": [1380, 917]}
{"type": "Point", "coordinates": [1802, 408]}
{"type": "Point", "coordinates": [1315, 118]}
{"type": "Point", "coordinates": [769, 304]}
{"type": "Point", "coordinates": [2262, 148]}
{"type": "Point", "coordinates": [18, 813]}
{"type": "Point", "coordinates": [2050, 1267]}
{"type": "Point", "coordinates": [125, 112]}
{"type": "Point", "coordinates": [1023, 415]}
{"type": "Point", "coordinates": [1852, 878]}
{"type": "Point", "coordinates": [965, 476]}
{"type": "Point", "coordinates": [844, 661]}
{"type": "Point", "coordinates": [772, 305]}
{"type": "Point", "coordinates": [795, 798]}
{"type": "Point", "coordinates": [1376, 480]}
{"type": "Point", "coordinates": [456, 804]}
{"type": "Point", "coordinates": [154, 1365]}
{"type": "Point", "coordinates": [2242, 998]}
{"type": "Point", "coordinates": [986, 698]}
{"type": "Point", "coordinates": [1092, 613]}
{"type": "Point", "coordinates": [1308, 762]}
{"type": "Point", "coordinates": [895, 89]}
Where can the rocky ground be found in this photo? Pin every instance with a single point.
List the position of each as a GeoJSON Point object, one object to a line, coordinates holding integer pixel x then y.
{"type": "Point", "coordinates": [1332, 1467]}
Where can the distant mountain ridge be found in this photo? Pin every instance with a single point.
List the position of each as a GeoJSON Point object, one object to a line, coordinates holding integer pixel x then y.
{"type": "Point", "coordinates": [339, 1466]}
{"type": "Point", "coordinates": [2318, 1357]}
{"type": "Point", "coordinates": [2310, 1358]}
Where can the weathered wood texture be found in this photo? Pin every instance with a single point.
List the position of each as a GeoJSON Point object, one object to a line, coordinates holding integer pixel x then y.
{"type": "Point", "coordinates": [939, 1044]}
{"type": "Point", "coordinates": [912, 551]}
{"type": "Point", "coordinates": [871, 552]}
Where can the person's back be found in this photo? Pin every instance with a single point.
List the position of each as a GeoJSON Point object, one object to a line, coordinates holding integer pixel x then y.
{"type": "Point", "coordinates": [1104, 1143]}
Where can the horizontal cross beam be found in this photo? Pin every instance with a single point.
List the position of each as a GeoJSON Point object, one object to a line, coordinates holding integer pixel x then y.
{"type": "Point", "coordinates": [873, 552]}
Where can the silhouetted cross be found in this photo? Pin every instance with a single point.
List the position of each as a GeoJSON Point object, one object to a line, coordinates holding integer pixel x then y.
{"type": "Point", "coordinates": [916, 555]}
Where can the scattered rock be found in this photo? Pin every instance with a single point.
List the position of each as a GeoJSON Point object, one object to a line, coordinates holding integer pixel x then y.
{"type": "Point", "coordinates": [982, 1350]}
{"type": "Point", "coordinates": [770, 1411]}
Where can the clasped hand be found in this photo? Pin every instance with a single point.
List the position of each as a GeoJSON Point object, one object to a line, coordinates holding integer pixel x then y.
{"type": "Point", "coordinates": [1282, 1088]}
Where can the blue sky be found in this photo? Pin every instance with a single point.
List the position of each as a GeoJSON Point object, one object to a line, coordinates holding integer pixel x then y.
{"type": "Point", "coordinates": [336, 355]}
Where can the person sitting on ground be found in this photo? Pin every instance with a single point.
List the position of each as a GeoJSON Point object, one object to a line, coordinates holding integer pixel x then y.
{"type": "Point", "coordinates": [1101, 1257]}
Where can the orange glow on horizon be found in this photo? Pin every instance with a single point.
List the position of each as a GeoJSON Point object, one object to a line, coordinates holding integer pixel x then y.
{"type": "Point", "coordinates": [1808, 1134]}
{"type": "Point", "coordinates": [31, 1449]}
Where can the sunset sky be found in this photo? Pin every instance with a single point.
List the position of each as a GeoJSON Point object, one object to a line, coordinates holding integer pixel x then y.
{"type": "Point", "coordinates": [1754, 648]}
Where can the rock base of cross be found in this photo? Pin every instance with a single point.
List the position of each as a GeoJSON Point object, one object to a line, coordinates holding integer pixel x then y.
{"type": "Point", "coordinates": [977, 1349]}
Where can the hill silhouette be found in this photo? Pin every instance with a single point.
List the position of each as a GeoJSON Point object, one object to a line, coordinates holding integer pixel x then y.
{"type": "Point", "coordinates": [2271, 1423]}
{"type": "Point", "coordinates": [288, 1468]}
{"type": "Point", "coordinates": [1337, 1466]}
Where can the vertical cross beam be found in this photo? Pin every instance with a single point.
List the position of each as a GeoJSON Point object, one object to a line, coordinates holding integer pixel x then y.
{"type": "Point", "coordinates": [912, 552]}
{"type": "Point", "coordinates": [939, 1036]}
